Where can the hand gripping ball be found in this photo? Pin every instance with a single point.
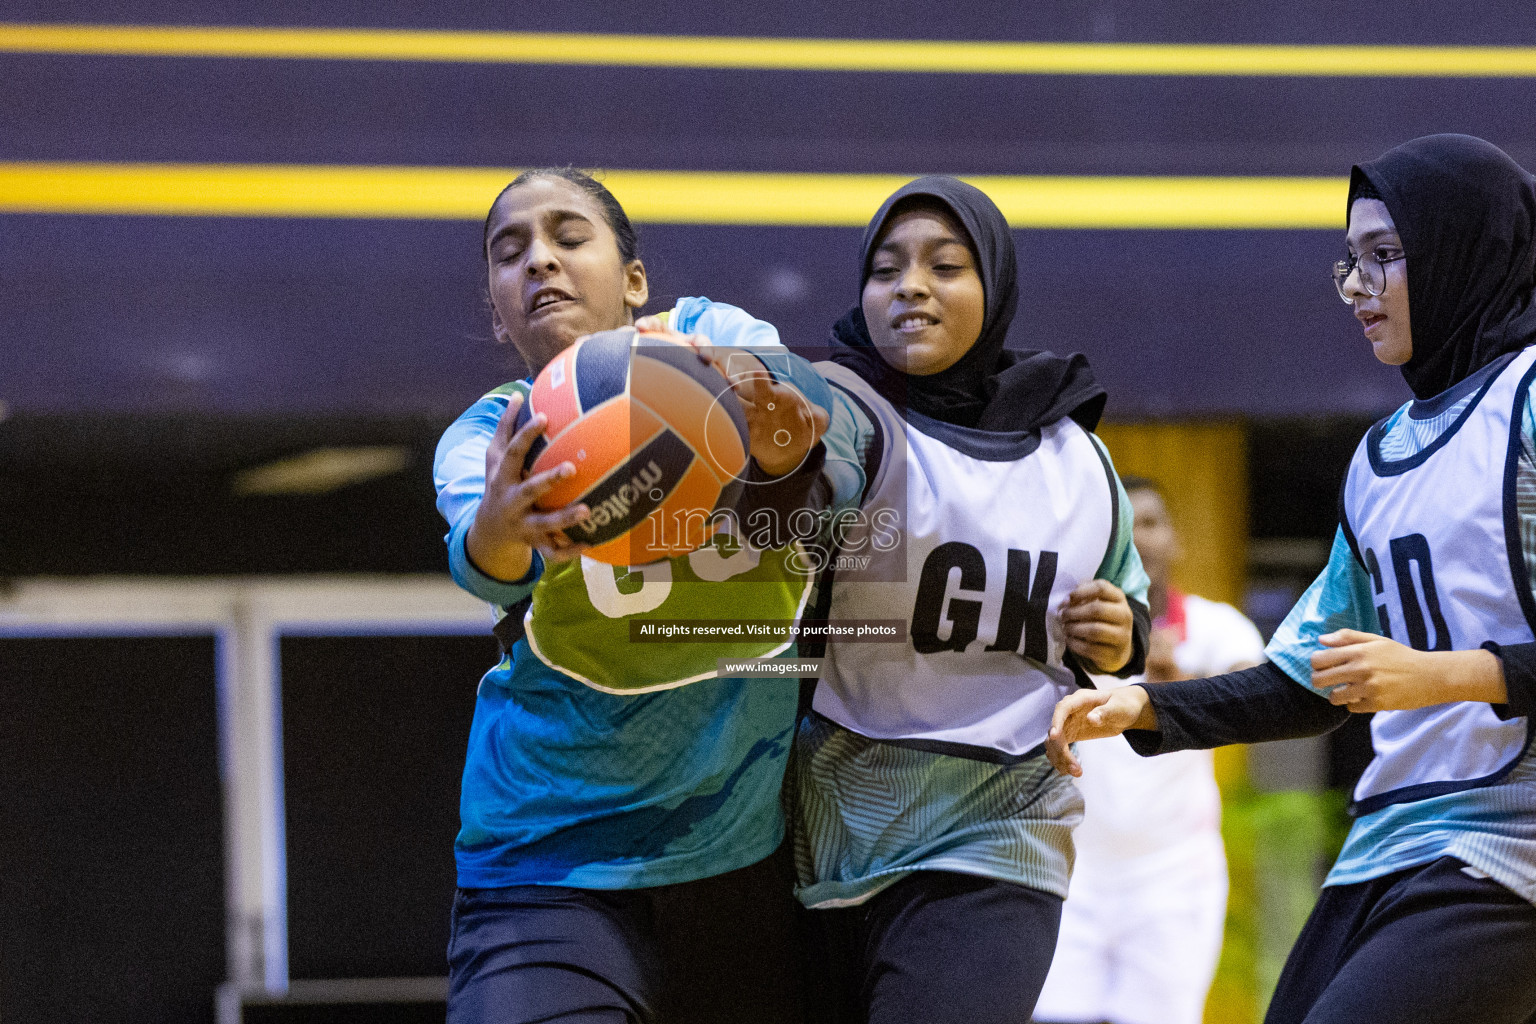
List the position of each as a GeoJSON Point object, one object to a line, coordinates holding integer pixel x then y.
{"type": "Point", "coordinates": [658, 440]}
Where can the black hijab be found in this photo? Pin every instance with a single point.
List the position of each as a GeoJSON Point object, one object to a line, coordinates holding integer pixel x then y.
{"type": "Point", "coordinates": [989, 387]}
{"type": "Point", "coordinates": [1466, 213]}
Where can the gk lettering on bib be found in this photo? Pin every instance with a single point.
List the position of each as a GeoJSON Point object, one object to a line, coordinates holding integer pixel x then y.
{"type": "Point", "coordinates": [975, 539]}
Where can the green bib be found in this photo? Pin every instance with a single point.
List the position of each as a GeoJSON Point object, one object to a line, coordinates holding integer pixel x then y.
{"type": "Point", "coordinates": [583, 612]}
{"type": "Point", "coordinates": [581, 615]}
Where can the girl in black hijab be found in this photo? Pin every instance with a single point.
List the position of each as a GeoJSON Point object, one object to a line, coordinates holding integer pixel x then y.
{"type": "Point", "coordinates": [1467, 214]}
{"type": "Point", "coordinates": [976, 512]}
{"type": "Point", "coordinates": [1425, 615]}
{"type": "Point", "coordinates": [989, 387]}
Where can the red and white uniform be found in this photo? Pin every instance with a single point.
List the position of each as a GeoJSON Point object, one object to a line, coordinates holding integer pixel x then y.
{"type": "Point", "coordinates": [1141, 928]}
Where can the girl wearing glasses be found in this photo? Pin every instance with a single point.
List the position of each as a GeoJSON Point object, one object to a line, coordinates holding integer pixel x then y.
{"type": "Point", "coordinates": [1424, 615]}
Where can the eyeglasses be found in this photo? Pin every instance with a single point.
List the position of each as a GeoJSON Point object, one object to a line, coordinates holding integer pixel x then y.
{"type": "Point", "coordinates": [1372, 268]}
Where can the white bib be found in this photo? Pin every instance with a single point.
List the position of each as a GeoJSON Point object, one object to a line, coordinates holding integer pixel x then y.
{"type": "Point", "coordinates": [1439, 535]}
{"type": "Point", "coordinates": [974, 539]}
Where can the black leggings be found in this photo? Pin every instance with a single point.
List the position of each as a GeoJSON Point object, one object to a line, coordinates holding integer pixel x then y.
{"type": "Point", "coordinates": [722, 949]}
{"type": "Point", "coordinates": [1431, 945]}
{"type": "Point", "coordinates": [934, 948]}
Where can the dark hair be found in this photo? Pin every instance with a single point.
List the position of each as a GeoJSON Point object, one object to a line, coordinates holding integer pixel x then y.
{"type": "Point", "coordinates": [1141, 483]}
{"type": "Point", "coordinates": [613, 213]}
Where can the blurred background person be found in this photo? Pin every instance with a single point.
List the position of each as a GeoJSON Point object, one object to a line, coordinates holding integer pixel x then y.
{"type": "Point", "coordinates": [1141, 929]}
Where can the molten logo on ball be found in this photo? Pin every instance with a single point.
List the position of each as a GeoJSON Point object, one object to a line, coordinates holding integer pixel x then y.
{"type": "Point", "coordinates": [625, 507]}
{"type": "Point", "coordinates": [652, 435]}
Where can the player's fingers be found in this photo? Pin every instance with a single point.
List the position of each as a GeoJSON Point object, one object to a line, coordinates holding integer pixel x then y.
{"type": "Point", "coordinates": [1060, 714]}
{"type": "Point", "coordinates": [1338, 671]}
{"type": "Point", "coordinates": [1346, 638]}
{"type": "Point", "coordinates": [805, 422]}
{"type": "Point", "coordinates": [1332, 657]}
{"type": "Point", "coordinates": [700, 344]}
{"type": "Point", "coordinates": [780, 398]}
{"type": "Point", "coordinates": [1091, 590]}
{"type": "Point", "coordinates": [1058, 754]}
{"type": "Point", "coordinates": [1061, 757]}
{"type": "Point", "coordinates": [558, 521]}
{"type": "Point", "coordinates": [1071, 705]}
{"type": "Point", "coordinates": [557, 540]}
{"type": "Point", "coordinates": [650, 324]}
{"type": "Point", "coordinates": [1345, 675]}
{"type": "Point", "coordinates": [790, 406]}
{"type": "Point", "coordinates": [537, 485]}
{"type": "Point", "coordinates": [1118, 713]}
{"type": "Point", "coordinates": [1096, 631]}
{"type": "Point", "coordinates": [739, 366]}
{"type": "Point", "coordinates": [506, 425]}
{"type": "Point", "coordinates": [1345, 695]}
{"type": "Point", "coordinates": [1097, 598]}
{"type": "Point", "coordinates": [502, 437]}
{"type": "Point", "coordinates": [516, 458]}
{"type": "Point", "coordinates": [702, 347]}
{"type": "Point", "coordinates": [1094, 636]}
{"type": "Point", "coordinates": [748, 390]}
{"type": "Point", "coordinates": [821, 419]}
{"type": "Point", "coordinates": [1080, 611]}
{"type": "Point", "coordinates": [566, 552]}
{"type": "Point", "coordinates": [557, 549]}
{"type": "Point", "coordinates": [1097, 611]}
{"type": "Point", "coordinates": [1099, 718]}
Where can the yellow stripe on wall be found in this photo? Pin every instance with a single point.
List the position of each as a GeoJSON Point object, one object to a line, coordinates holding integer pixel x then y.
{"type": "Point", "coordinates": [889, 55]}
{"type": "Point", "coordinates": [657, 197]}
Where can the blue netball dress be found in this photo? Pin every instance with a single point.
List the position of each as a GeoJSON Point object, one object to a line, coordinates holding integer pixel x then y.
{"type": "Point", "coordinates": [567, 785]}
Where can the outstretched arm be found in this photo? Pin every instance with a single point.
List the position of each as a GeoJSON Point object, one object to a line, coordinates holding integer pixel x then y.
{"type": "Point", "coordinates": [1255, 705]}
{"type": "Point", "coordinates": [1095, 715]}
{"type": "Point", "coordinates": [1276, 700]}
{"type": "Point", "coordinates": [784, 400]}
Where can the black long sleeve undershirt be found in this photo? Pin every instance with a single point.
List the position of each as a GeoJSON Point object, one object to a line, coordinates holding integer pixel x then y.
{"type": "Point", "coordinates": [1254, 705]}
{"type": "Point", "coordinates": [1262, 703]}
{"type": "Point", "coordinates": [1141, 632]}
{"type": "Point", "coordinates": [767, 505]}
{"type": "Point", "coordinates": [1519, 678]}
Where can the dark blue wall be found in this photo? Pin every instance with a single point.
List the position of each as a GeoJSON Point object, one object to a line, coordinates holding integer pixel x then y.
{"type": "Point", "coordinates": [319, 317]}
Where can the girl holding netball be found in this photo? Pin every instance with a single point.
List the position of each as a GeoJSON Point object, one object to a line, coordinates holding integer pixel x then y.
{"type": "Point", "coordinates": [971, 502]}
{"type": "Point", "coordinates": [612, 846]}
{"type": "Point", "coordinates": [1424, 615]}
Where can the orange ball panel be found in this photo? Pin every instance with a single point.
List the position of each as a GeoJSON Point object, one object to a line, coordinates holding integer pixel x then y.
{"type": "Point", "coordinates": [597, 444]}
{"type": "Point", "coordinates": [674, 395]}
